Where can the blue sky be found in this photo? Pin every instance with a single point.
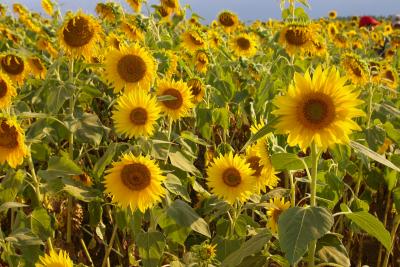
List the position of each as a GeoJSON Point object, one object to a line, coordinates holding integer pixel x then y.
{"type": "Point", "coordinates": [250, 9]}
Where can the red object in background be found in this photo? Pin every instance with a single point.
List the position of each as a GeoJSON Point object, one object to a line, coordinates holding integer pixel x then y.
{"type": "Point", "coordinates": [368, 21]}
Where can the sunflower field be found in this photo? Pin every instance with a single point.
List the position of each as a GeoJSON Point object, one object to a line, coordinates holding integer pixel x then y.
{"type": "Point", "coordinates": [145, 136]}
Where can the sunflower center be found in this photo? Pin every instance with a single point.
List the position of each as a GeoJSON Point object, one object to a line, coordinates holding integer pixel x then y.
{"type": "Point", "coordinates": [138, 116]}
{"type": "Point", "coordinates": [8, 136]}
{"type": "Point", "coordinates": [170, 3]}
{"type": "Point", "coordinates": [389, 75]}
{"type": "Point", "coordinates": [317, 111]}
{"type": "Point", "coordinates": [275, 214]}
{"type": "Point", "coordinates": [296, 37]}
{"type": "Point", "coordinates": [175, 103]}
{"type": "Point", "coordinates": [12, 64]}
{"type": "Point", "coordinates": [254, 162]}
{"type": "Point", "coordinates": [36, 62]}
{"type": "Point", "coordinates": [226, 19]}
{"type": "Point", "coordinates": [195, 86]}
{"type": "Point", "coordinates": [231, 177]}
{"type": "Point", "coordinates": [136, 176]}
{"type": "Point", "coordinates": [243, 43]}
{"type": "Point", "coordinates": [194, 40]}
{"type": "Point", "coordinates": [356, 70]}
{"type": "Point", "coordinates": [3, 88]}
{"type": "Point", "coordinates": [202, 58]}
{"type": "Point", "coordinates": [78, 32]}
{"type": "Point", "coordinates": [131, 68]}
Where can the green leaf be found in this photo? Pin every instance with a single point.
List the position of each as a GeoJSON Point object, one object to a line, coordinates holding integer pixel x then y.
{"type": "Point", "coordinates": [266, 129]}
{"type": "Point", "coordinates": [298, 226]}
{"type": "Point", "coordinates": [172, 230]}
{"type": "Point", "coordinates": [87, 128]}
{"type": "Point", "coordinates": [41, 223]}
{"type": "Point", "coordinates": [373, 155]}
{"type": "Point", "coordinates": [151, 247]}
{"type": "Point", "coordinates": [11, 185]}
{"type": "Point", "coordinates": [95, 213]}
{"type": "Point", "coordinates": [248, 248]}
{"type": "Point", "coordinates": [185, 216]}
{"type": "Point", "coordinates": [375, 137]}
{"type": "Point", "coordinates": [396, 198]}
{"type": "Point", "coordinates": [226, 246]}
{"type": "Point", "coordinates": [11, 205]}
{"type": "Point", "coordinates": [221, 117]}
{"type": "Point", "coordinates": [331, 249]}
{"type": "Point", "coordinates": [57, 97]}
{"type": "Point", "coordinates": [194, 138]}
{"type": "Point", "coordinates": [180, 161]}
{"type": "Point", "coordinates": [105, 160]}
{"type": "Point", "coordinates": [288, 161]}
{"type": "Point", "coordinates": [60, 167]}
{"type": "Point", "coordinates": [174, 185]}
{"type": "Point", "coordinates": [371, 225]}
{"type": "Point", "coordinates": [23, 237]}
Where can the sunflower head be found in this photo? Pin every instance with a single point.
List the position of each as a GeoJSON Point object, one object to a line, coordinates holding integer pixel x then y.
{"type": "Point", "coordinates": [7, 91]}
{"type": "Point", "coordinates": [318, 109]}
{"type": "Point", "coordinates": [131, 31]}
{"type": "Point", "coordinates": [389, 77]}
{"type": "Point", "coordinates": [243, 45]}
{"type": "Point", "coordinates": [278, 205]}
{"type": "Point", "coordinates": [12, 142]}
{"type": "Point", "coordinates": [60, 259]}
{"type": "Point", "coordinates": [193, 40]}
{"type": "Point", "coordinates": [228, 20]}
{"type": "Point", "coordinates": [332, 14]}
{"type": "Point", "coordinates": [197, 89]}
{"type": "Point", "coordinates": [105, 11]}
{"type": "Point", "coordinates": [48, 7]}
{"type": "Point", "coordinates": [15, 67]}
{"type": "Point", "coordinates": [37, 67]}
{"type": "Point", "coordinates": [296, 38]}
{"type": "Point", "coordinates": [201, 61]}
{"type": "Point", "coordinates": [136, 5]}
{"type": "Point", "coordinates": [356, 68]}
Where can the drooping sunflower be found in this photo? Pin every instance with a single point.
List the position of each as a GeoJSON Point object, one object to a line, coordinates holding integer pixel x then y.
{"type": "Point", "coordinates": [181, 105]}
{"type": "Point", "coordinates": [278, 205]}
{"type": "Point", "coordinates": [37, 67]}
{"type": "Point", "coordinates": [164, 13]}
{"type": "Point", "coordinates": [318, 109]}
{"type": "Point", "coordinates": [130, 68]}
{"type": "Point", "coordinates": [228, 20]}
{"type": "Point", "coordinates": [389, 77]}
{"type": "Point", "coordinates": [54, 259]}
{"type": "Point", "coordinates": [230, 178]}
{"type": "Point", "coordinates": [132, 32]}
{"type": "Point", "coordinates": [355, 68]}
{"type": "Point", "coordinates": [80, 35]}
{"type": "Point", "coordinates": [171, 4]}
{"type": "Point", "coordinates": [135, 182]}
{"type": "Point", "coordinates": [193, 41]}
{"type": "Point", "coordinates": [48, 7]}
{"type": "Point", "coordinates": [201, 61]}
{"type": "Point", "coordinates": [7, 91]}
{"type": "Point", "coordinates": [136, 114]}
{"type": "Point", "coordinates": [12, 142]}
{"type": "Point", "coordinates": [105, 11]}
{"type": "Point", "coordinates": [136, 5]}
{"type": "Point", "coordinates": [15, 67]}
{"type": "Point", "coordinates": [296, 38]}
{"type": "Point", "coordinates": [332, 14]}
{"type": "Point", "coordinates": [243, 45]}
{"type": "Point", "coordinates": [197, 89]}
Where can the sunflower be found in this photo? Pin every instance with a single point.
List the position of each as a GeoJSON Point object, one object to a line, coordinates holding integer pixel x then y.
{"type": "Point", "coordinates": [53, 259]}
{"type": "Point", "coordinates": [197, 89]}
{"type": "Point", "coordinates": [332, 14]}
{"type": "Point", "coordinates": [182, 102]}
{"type": "Point", "coordinates": [193, 41]}
{"type": "Point", "coordinates": [114, 41]}
{"type": "Point", "coordinates": [48, 7]}
{"type": "Point", "coordinates": [355, 68]}
{"type": "Point", "coordinates": [130, 67]}
{"type": "Point", "coordinates": [243, 45]}
{"type": "Point", "coordinates": [7, 91]}
{"type": "Point", "coordinates": [37, 67]}
{"type": "Point", "coordinates": [278, 205]}
{"type": "Point", "coordinates": [340, 41]}
{"type": "Point", "coordinates": [136, 114]}
{"type": "Point", "coordinates": [296, 38]}
{"type": "Point", "coordinates": [318, 110]}
{"type": "Point", "coordinates": [228, 20]}
{"type": "Point", "coordinates": [20, 10]}
{"type": "Point", "coordinates": [135, 182]}
{"type": "Point", "coordinates": [44, 45]}
{"type": "Point", "coordinates": [15, 67]}
{"type": "Point", "coordinates": [3, 10]}
{"type": "Point", "coordinates": [171, 4]}
{"type": "Point", "coordinates": [389, 77]}
{"type": "Point", "coordinates": [263, 151]}
{"type": "Point", "coordinates": [201, 61]}
{"type": "Point", "coordinates": [12, 142]}
{"type": "Point", "coordinates": [332, 31]}
{"type": "Point", "coordinates": [319, 47]}
{"type": "Point", "coordinates": [105, 11]}
{"type": "Point", "coordinates": [136, 5]}
{"type": "Point", "coordinates": [230, 178]}
{"type": "Point", "coordinates": [214, 39]}
{"type": "Point", "coordinates": [79, 35]}
{"type": "Point", "coordinates": [164, 12]}
{"type": "Point", "coordinates": [132, 32]}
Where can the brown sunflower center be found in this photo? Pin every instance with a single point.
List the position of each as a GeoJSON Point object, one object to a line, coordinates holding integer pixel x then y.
{"type": "Point", "coordinates": [317, 111]}
{"type": "Point", "coordinates": [13, 65]}
{"type": "Point", "coordinates": [202, 58]}
{"type": "Point", "coordinates": [226, 19]}
{"type": "Point", "coordinates": [195, 40]}
{"type": "Point", "coordinates": [173, 103]}
{"type": "Point", "coordinates": [389, 75]}
{"type": "Point", "coordinates": [131, 68]}
{"type": "Point", "coordinates": [297, 37]}
{"type": "Point", "coordinates": [170, 3]}
{"type": "Point", "coordinates": [37, 64]}
{"type": "Point", "coordinates": [78, 32]}
{"type": "Point", "coordinates": [8, 136]}
{"type": "Point", "coordinates": [333, 31]}
{"type": "Point", "coordinates": [231, 177]}
{"type": "Point", "coordinates": [356, 70]}
{"type": "Point", "coordinates": [195, 86]}
{"type": "Point", "coordinates": [254, 162]}
{"type": "Point", "coordinates": [243, 43]}
{"type": "Point", "coordinates": [136, 176]}
{"type": "Point", "coordinates": [138, 116]}
{"type": "Point", "coordinates": [275, 214]}
{"type": "Point", "coordinates": [163, 11]}
{"type": "Point", "coordinates": [3, 88]}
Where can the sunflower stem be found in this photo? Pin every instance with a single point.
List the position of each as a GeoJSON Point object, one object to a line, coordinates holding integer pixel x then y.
{"type": "Point", "coordinates": [396, 224]}
{"type": "Point", "coordinates": [110, 245]}
{"type": "Point", "coordinates": [86, 252]}
{"type": "Point", "coordinates": [292, 190]}
{"type": "Point", "coordinates": [71, 150]}
{"type": "Point", "coordinates": [34, 177]}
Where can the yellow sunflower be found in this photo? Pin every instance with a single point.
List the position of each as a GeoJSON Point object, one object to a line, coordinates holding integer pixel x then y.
{"type": "Point", "coordinates": [201, 61]}
{"type": "Point", "coordinates": [230, 178]}
{"type": "Point", "coordinates": [278, 205]}
{"type": "Point", "coordinates": [136, 114]}
{"type": "Point", "coordinates": [37, 67]}
{"type": "Point", "coordinates": [181, 104]}
{"type": "Point", "coordinates": [12, 142]}
{"type": "Point", "coordinates": [130, 68]}
{"type": "Point", "coordinates": [355, 68]}
{"type": "Point", "coordinates": [135, 182]}
{"type": "Point", "coordinates": [105, 11]}
{"type": "Point", "coordinates": [136, 5]}
{"type": "Point", "coordinates": [296, 38]}
{"type": "Point", "coordinates": [79, 35]}
{"type": "Point", "coordinates": [318, 110]}
{"type": "Point", "coordinates": [197, 89]}
{"type": "Point", "coordinates": [3, 10]}
{"type": "Point", "coordinates": [270, 179]}
{"type": "Point", "coordinates": [332, 31]}
{"type": "Point", "coordinates": [7, 91]}
{"type": "Point", "coordinates": [132, 32]}
{"type": "Point", "coordinates": [332, 14]}
{"type": "Point", "coordinates": [114, 41]}
{"type": "Point", "coordinates": [171, 4]}
{"type": "Point", "coordinates": [44, 45]}
{"type": "Point", "coordinates": [214, 39]}
{"type": "Point", "coordinates": [193, 41]}
{"type": "Point", "coordinates": [54, 259]}
{"type": "Point", "coordinates": [389, 77]}
{"type": "Point", "coordinates": [164, 13]}
{"type": "Point", "coordinates": [48, 7]}
{"type": "Point", "coordinates": [243, 45]}
{"type": "Point", "coordinates": [228, 20]}
{"type": "Point", "coordinates": [15, 67]}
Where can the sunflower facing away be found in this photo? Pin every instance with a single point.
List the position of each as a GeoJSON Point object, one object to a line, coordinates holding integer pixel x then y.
{"type": "Point", "coordinates": [7, 91]}
{"type": "Point", "coordinates": [79, 35]}
{"type": "Point", "coordinates": [356, 69]}
{"type": "Point", "coordinates": [15, 67]}
{"type": "Point", "coordinates": [230, 178]}
{"type": "Point", "coordinates": [228, 20]}
{"type": "Point", "coordinates": [12, 142]}
{"type": "Point", "coordinates": [318, 110]}
{"type": "Point", "coordinates": [181, 104]}
{"type": "Point", "coordinates": [54, 259]}
{"type": "Point", "coordinates": [135, 182]}
{"type": "Point", "coordinates": [296, 38]}
{"type": "Point", "coordinates": [130, 68]}
{"type": "Point", "coordinates": [278, 205]}
{"type": "Point", "coordinates": [243, 45]}
{"type": "Point", "coordinates": [136, 114]}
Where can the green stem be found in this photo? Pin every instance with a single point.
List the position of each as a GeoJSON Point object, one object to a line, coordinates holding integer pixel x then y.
{"type": "Point", "coordinates": [110, 245]}
{"type": "Point", "coordinates": [49, 244]}
{"type": "Point", "coordinates": [292, 190]}
{"type": "Point", "coordinates": [36, 181]}
{"type": "Point", "coordinates": [396, 224]}
{"type": "Point", "coordinates": [387, 210]}
{"type": "Point", "coordinates": [86, 252]}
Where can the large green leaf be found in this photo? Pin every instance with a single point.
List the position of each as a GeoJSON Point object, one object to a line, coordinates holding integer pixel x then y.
{"type": "Point", "coordinates": [11, 185]}
{"type": "Point", "coordinates": [60, 167]}
{"type": "Point", "coordinates": [11, 205]}
{"type": "Point", "coordinates": [151, 247]}
{"type": "Point", "coordinates": [180, 161]}
{"type": "Point", "coordinates": [174, 185]}
{"type": "Point", "coordinates": [106, 159]}
{"type": "Point", "coordinates": [298, 226]}
{"type": "Point", "coordinates": [331, 250]}
{"type": "Point", "coordinates": [288, 161]}
{"type": "Point", "coordinates": [226, 246]}
{"type": "Point", "coordinates": [41, 223]}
